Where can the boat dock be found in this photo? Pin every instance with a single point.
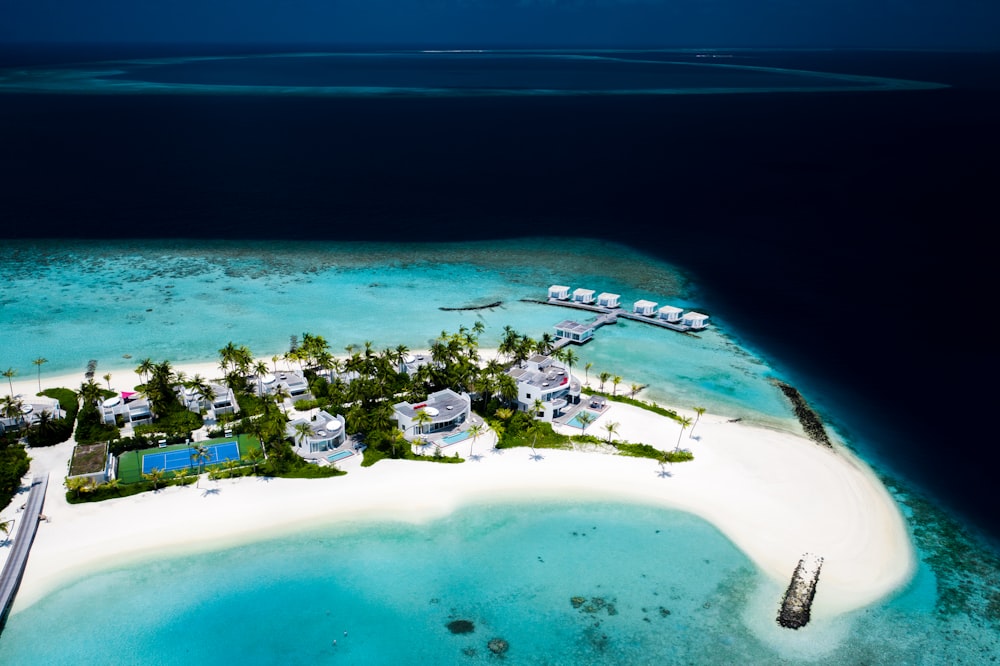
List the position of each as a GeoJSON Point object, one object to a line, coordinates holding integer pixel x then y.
{"type": "Point", "coordinates": [10, 577]}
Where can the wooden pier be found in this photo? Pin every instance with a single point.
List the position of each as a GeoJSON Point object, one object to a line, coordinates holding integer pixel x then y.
{"type": "Point", "coordinates": [614, 314]}
{"type": "Point", "coordinates": [10, 577]}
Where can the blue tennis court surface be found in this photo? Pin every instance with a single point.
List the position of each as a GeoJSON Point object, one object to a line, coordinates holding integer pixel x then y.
{"type": "Point", "coordinates": [183, 458]}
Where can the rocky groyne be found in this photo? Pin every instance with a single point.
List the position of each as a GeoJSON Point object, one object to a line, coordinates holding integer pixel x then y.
{"type": "Point", "coordinates": [796, 606]}
{"type": "Point", "coordinates": [811, 423]}
{"type": "Point", "coordinates": [488, 306]}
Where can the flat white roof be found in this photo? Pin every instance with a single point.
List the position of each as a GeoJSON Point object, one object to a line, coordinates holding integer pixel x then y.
{"type": "Point", "coordinates": [669, 308]}
{"type": "Point", "coordinates": [608, 294]}
{"type": "Point", "coordinates": [645, 304]}
{"type": "Point", "coordinates": [583, 291]}
{"type": "Point", "coordinates": [560, 287]}
{"type": "Point", "coordinates": [695, 315]}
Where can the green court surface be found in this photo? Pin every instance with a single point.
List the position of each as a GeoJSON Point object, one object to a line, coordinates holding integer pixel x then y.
{"type": "Point", "coordinates": [130, 462]}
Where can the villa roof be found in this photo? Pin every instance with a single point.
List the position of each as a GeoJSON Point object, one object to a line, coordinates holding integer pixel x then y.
{"type": "Point", "coordinates": [608, 294]}
{"type": "Point", "coordinates": [582, 291]}
{"type": "Point", "coordinates": [559, 286]}
{"type": "Point", "coordinates": [645, 304]}
{"type": "Point", "coordinates": [695, 315]}
{"type": "Point", "coordinates": [548, 377]}
{"type": "Point", "coordinates": [670, 308]}
{"type": "Point", "coordinates": [571, 326]}
{"type": "Point", "coordinates": [89, 459]}
{"type": "Point", "coordinates": [440, 406]}
{"type": "Point", "coordinates": [322, 427]}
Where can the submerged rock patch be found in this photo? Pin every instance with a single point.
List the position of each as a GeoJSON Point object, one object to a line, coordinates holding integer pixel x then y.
{"type": "Point", "coordinates": [461, 627]}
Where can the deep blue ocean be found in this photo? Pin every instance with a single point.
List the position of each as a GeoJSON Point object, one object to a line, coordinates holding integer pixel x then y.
{"type": "Point", "coordinates": [840, 234]}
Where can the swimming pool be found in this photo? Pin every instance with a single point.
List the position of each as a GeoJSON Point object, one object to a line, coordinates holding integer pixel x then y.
{"type": "Point", "coordinates": [339, 455]}
{"type": "Point", "coordinates": [575, 421]}
{"type": "Point", "coordinates": [456, 438]}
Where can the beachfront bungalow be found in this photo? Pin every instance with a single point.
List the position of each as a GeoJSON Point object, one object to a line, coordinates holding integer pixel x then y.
{"type": "Point", "coordinates": [444, 410]}
{"type": "Point", "coordinates": [31, 410]}
{"type": "Point", "coordinates": [670, 313]}
{"type": "Point", "coordinates": [221, 401]}
{"type": "Point", "coordinates": [585, 296]}
{"type": "Point", "coordinates": [574, 331]}
{"type": "Point", "coordinates": [608, 300]}
{"type": "Point", "coordinates": [645, 308]}
{"type": "Point", "coordinates": [546, 380]}
{"type": "Point", "coordinates": [410, 363]}
{"type": "Point", "coordinates": [559, 292]}
{"type": "Point", "coordinates": [291, 381]}
{"type": "Point", "coordinates": [133, 409]}
{"type": "Point", "coordinates": [327, 432]}
{"type": "Point", "coordinates": [695, 320]}
{"type": "Point", "coordinates": [93, 463]}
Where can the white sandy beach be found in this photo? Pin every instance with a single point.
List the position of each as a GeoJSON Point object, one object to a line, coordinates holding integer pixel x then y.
{"type": "Point", "coordinates": [775, 495]}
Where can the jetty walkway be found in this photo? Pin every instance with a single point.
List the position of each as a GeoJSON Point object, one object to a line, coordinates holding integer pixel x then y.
{"type": "Point", "coordinates": [611, 315]}
{"type": "Point", "coordinates": [10, 577]}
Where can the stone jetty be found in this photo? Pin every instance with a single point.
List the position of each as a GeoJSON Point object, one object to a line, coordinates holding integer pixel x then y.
{"type": "Point", "coordinates": [797, 603]}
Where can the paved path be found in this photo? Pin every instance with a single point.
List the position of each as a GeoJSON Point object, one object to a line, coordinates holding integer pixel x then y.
{"type": "Point", "coordinates": [10, 577]}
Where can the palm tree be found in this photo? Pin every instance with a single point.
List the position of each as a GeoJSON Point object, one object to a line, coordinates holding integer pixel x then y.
{"type": "Point", "coordinates": [145, 369]}
{"type": "Point", "coordinates": [303, 431]}
{"type": "Point", "coordinates": [699, 411]}
{"type": "Point", "coordinates": [202, 389]}
{"type": "Point", "coordinates": [10, 373]}
{"type": "Point", "coordinates": [76, 485]}
{"type": "Point", "coordinates": [254, 456]}
{"type": "Point", "coordinates": [685, 422]}
{"type": "Point", "coordinates": [155, 476]}
{"type": "Point", "coordinates": [504, 413]}
{"type": "Point", "coordinates": [534, 429]}
{"type": "Point", "coordinates": [604, 377]}
{"type": "Point", "coordinates": [475, 432]}
{"type": "Point", "coordinates": [586, 369]}
{"type": "Point", "coordinates": [10, 407]}
{"type": "Point", "coordinates": [280, 395]}
{"type": "Point", "coordinates": [421, 419]}
{"type": "Point", "coordinates": [635, 388]}
{"type": "Point", "coordinates": [107, 378]}
{"type": "Point", "coordinates": [612, 429]}
{"type": "Point", "coordinates": [616, 380]}
{"type": "Point", "coordinates": [38, 363]}
{"type": "Point", "coordinates": [200, 456]}
{"type": "Point", "coordinates": [585, 418]}
{"type": "Point", "coordinates": [538, 406]}
{"type": "Point", "coordinates": [5, 526]}
{"type": "Point", "coordinates": [89, 393]}
{"type": "Point", "coordinates": [570, 358]}
{"type": "Point", "coordinates": [260, 369]}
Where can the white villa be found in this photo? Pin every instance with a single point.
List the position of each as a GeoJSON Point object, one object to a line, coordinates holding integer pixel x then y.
{"type": "Point", "coordinates": [293, 382]}
{"type": "Point", "coordinates": [542, 378]}
{"type": "Point", "coordinates": [446, 410]}
{"type": "Point", "coordinates": [559, 292]}
{"type": "Point", "coordinates": [328, 432]}
{"type": "Point", "coordinates": [410, 363]}
{"type": "Point", "coordinates": [695, 320]}
{"type": "Point", "coordinates": [647, 308]}
{"type": "Point", "coordinates": [575, 331]}
{"type": "Point", "coordinates": [223, 401]}
{"type": "Point", "coordinates": [583, 296]}
{"type": "Point", "coordinates": [30, 411]}
{"type": "Point", "coordinates": [608, 300]}
{"type": "Point", "coordinates": [132, 409]}
{"type": "Point", "coordinates": [670, 313]}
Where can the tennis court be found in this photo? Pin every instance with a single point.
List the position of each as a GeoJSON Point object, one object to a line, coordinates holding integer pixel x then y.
{"type": "Point", "coordinates": [169, 461]}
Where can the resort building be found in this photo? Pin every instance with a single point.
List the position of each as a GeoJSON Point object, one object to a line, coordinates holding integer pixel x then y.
{"type": "Point", "coordinates": [294, 383]}
{"type": "Point", "coordinates": [410, 363]}
{"type": "Point", "coordinates": [327, 432]}
{"type": "Point", "coordinates": [585, 296]}
{"type": "Point", "coordinates": [442, 411]}
{"type": "Point", "coordinates": [646, 308]}
{"type": "Point", "coordinates": [92, 462]}
{"type": "Point", "coordinates": [670, 313]}
{"type": "Point", "coordinates": [559, 292]}
{"type": "Point", "coordinates": [695, 320]}
{"type": "Point", "coordinates": [608, 300]}
{"type": "Point", "coordinates": [574, 331]}
{"type": "Point", "coordinates": [132, 409]}
{"type": "Point", "coordinates": [222, 401]}
{"type": "Point", "coordinates": [545, 380]}
{"type": "Point", "coordinates": [31, 410]}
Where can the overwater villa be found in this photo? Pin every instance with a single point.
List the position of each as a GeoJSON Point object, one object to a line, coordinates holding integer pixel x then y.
{"type": "Point", "coordinates": [695, 320]}
{"type": "Point", "coordinates": [544, 379]}
{"type": "Point", "coordinates": [575, 331]}
{"type": "Point", "coordinates": [608, 300]}
{"type": "Point", "coordinates": [585, 296]}
{"type": "Point", "coordinates": [443, 412]}
{"type": "Point", "coordinates": [559, 292]}
{"type": "Point", "coordinates": [670, 313]}
{"type": "Point", "coordinates": [128, 408]}
{"type": "Point", "coordinates": [327, 432]}
{"type": "Point", "coordinates": [645, 308]}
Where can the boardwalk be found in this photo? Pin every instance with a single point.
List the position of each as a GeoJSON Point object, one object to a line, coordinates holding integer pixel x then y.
{"type": "Point", "coordinates": [10, 577]}
{"type": "Point", "coordinates": [611, 314]}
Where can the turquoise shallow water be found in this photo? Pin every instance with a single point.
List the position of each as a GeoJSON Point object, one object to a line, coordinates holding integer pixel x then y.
{"type": "Point", "coordinates": [511, 570]}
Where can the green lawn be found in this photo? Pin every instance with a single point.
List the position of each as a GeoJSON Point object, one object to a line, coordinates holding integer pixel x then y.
{"type": "Point", "coordinates": [130, 462]}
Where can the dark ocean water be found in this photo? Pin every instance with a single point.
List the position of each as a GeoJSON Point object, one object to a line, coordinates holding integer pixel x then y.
{"type": "Point", "coordinates": [844, 234]}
